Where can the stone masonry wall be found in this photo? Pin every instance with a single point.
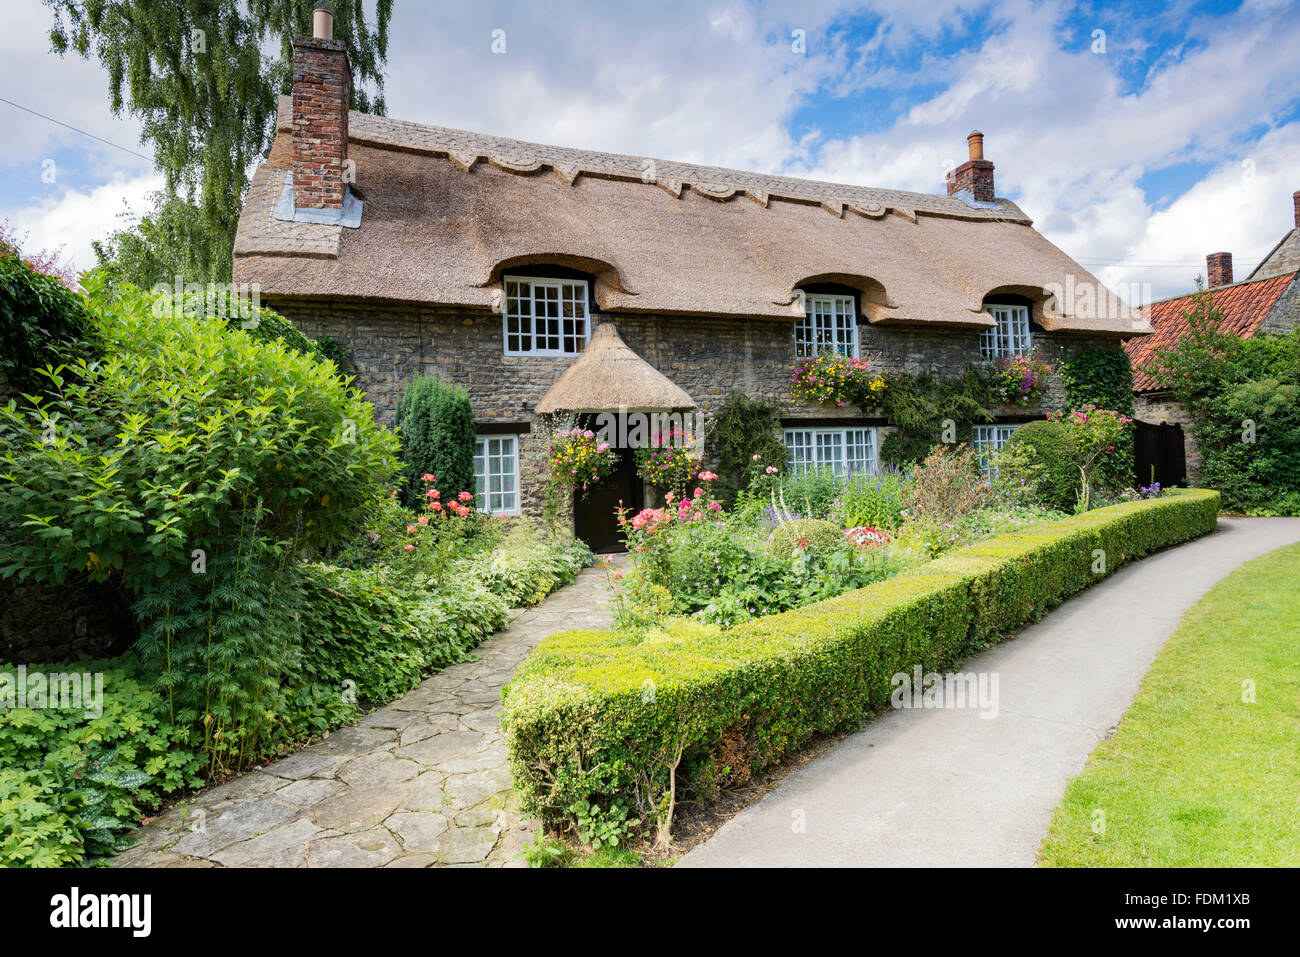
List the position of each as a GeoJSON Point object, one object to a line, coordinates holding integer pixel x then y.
{"type": "Point", "coordinates": [42, 622]}
{"type": "Point", "coordinates": [709, 358]}
{"type": "Point", "coordinates": [1284, 317]}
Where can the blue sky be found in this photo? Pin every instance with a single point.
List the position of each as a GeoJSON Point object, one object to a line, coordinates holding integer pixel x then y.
{"type": "Point", "coordinates": [1139, 137]}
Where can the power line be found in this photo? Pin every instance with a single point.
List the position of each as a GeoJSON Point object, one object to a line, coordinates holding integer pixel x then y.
{"type": "Point", "coordinates": [74, 129]}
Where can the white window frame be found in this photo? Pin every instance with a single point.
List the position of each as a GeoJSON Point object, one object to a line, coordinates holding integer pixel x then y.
{"type": "Point", "coordinates": [829, 321]}
{"type": "Point", "coordinates": [988, 440]}
{"type": "Point", "coordinates": [485, 499]}
{"type": "Point", "coordinates": [1011, 335]}
{"type": "Point", "coordinates": [527, 299]}
{"type": "Point", "coordinates": [846, 451]}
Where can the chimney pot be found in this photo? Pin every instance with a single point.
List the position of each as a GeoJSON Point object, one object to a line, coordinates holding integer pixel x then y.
{"type": "Point", "coordinates": [1218, 269]}
{"type": "Point", "coordinates": [322, 21]}
{"type": "Point", "coordinates": [975, 176]}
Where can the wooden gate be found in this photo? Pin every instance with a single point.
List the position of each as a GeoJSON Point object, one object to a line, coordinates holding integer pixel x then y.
{"type": "Point", "coordinates": [1159, 454]}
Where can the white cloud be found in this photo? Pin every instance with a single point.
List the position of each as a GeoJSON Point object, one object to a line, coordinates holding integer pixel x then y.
{"type": "Point", "coordinates": [716, 82]}
{"type": "Point", "coordinates": [1071, 146]}
{"type": "Point", "coordinates": [77, 217]}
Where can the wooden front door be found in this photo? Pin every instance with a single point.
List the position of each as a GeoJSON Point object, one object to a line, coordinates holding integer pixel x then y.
{"type": "Point", "coordinates": [1159, 454]}
{"type": "Point", "coordinates": [595, 515]}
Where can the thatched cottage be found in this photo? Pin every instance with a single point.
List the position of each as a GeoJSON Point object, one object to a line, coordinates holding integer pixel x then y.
{"type": "Point", "coordinates": [495, 263]}
{"type": "Point", "coordinates": [1266, 302]}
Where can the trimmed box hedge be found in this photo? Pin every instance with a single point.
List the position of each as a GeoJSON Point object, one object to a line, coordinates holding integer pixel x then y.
{"type": "Point", "coordinates": [600, 714]}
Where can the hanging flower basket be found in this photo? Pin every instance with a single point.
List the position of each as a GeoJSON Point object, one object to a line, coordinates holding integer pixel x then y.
{"type": "Point", "coordinates": [671, 463]}
{"type": "Point", "coordinates": [579, 460]}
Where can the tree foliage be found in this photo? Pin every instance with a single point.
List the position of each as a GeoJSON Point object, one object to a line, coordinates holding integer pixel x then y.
{"type": "Point", "coordinates": [1243, 398]}
{"type": "Point", "coordinates": [42, 322]}
{"type": "Point", "coordinates": [195, 73]}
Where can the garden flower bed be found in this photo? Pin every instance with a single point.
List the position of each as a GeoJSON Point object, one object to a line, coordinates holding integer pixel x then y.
{"type": "Point", "coordinates": [610, 717]}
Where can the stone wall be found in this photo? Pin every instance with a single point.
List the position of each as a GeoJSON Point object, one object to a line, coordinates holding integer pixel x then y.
{"type": "Point", "coordinates": [42, 622]}
{"type": "Point", "coordinates": [709, 358]}
{"type": "Point", "coordinates": [1284, 317]}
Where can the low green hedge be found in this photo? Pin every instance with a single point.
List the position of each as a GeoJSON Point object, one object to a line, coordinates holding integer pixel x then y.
{"type": "Point", "coordinates": [598, 714]}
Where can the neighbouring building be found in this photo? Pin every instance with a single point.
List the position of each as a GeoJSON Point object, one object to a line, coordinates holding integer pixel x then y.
{"type": "Point", "coordinates": [1267, 302]}
{"type": "Point", "coordinates": [495, 263]}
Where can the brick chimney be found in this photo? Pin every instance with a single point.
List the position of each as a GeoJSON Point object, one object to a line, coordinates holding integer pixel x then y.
{"type": "Point", "coordinates": [1218, 269]}
{"type": "Point", "coordinates": [1295, 198]}
{"type": "Point", "coordinates": [322, 88]}
{"type": "Point", "coordinates": [976, 174]}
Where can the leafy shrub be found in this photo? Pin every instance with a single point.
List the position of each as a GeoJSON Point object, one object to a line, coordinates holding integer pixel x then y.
{"type": "Point", "coordinates": [170, 442]}
{"type": "Point", "coordinates": [528, 567]}
{"type": "Point", "coordinates": [813, 534]}
{"type": "Point", "coordinates": [1243, 396]}
{"type": "Point", "coordinates": [363, 634]}
{"type": "Point", "coordinates": [811, 493]}
{"type": "Point", "coordinates": [741, 429]}
{"type": "Point", "coordinates": [946, 485]}
{"type": "Point", "coordinates": [1244, 399]}
{"type": "Point", "coordinates": [597, 716]}
{"type": "Point", "coordinates": [1040, 459]}
{"type": "Point", "coordinates": [42, 323]}
{"type": "Point", "coordinates": [1103, 447]}
{"type": "Point", "coordinates": [871, 499]}
{"type": "Point", "coordinates": [436, 424]}
{"type": "Point", "coordinates": [72, 784]}
{"type": "Point", "coordinates": [190, 465]}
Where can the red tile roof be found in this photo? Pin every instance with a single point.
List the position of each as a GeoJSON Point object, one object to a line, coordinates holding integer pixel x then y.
{"type": "Point", "coordinates": [1244, 305]}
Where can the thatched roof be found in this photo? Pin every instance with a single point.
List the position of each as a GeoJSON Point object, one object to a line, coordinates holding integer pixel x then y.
{"type": "Point", "coordinates": [446, 213]}
{"type": "Point", "coordinates": [608, 375]}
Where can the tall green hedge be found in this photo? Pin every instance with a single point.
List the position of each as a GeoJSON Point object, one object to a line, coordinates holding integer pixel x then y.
{"type": "Point", "coordinates": [436, 424]}
{"type": "Point", "coordinates": [597, 714]}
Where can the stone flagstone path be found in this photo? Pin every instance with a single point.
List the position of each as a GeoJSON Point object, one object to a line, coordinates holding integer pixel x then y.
{"type": "Point", "coordinates": [421, 782]}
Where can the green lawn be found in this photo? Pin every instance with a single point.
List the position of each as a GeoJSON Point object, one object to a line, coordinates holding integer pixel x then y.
{"type": "Point", "coordinates": [1195, 775]}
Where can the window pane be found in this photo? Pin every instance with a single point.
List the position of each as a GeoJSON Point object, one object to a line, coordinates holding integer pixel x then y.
{"type": "Point", "coordinates": [545, 315]}
{"type": "Point", "coordinates": [830, 451]}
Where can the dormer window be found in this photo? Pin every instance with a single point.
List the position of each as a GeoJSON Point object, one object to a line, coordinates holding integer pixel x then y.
{"type": "Point", "coordinates": [830, 324]}
{"type": "Point", "coordinates": [545, 317]}
{"type": "Point", "coordinates": [1010, 337]}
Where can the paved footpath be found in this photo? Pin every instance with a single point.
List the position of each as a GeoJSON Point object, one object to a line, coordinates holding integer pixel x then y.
{"type": "Point", "coordinates": [421, 782]}
{"type": "Point", "coordinates": [949, 788]}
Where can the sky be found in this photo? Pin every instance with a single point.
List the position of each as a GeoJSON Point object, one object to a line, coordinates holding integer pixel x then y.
{"type": "Point", "coordinates": [1139, 137]}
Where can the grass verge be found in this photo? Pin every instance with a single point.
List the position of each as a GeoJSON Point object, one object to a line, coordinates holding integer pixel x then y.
{"type": "Point", "coordinates": [1204, 769]}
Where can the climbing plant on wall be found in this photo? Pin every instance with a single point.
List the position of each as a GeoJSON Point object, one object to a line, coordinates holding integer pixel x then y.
{"type": "Point", "coordinates": [922, 405]}
{"type": "Point", "coordinates": [1101, 377]}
